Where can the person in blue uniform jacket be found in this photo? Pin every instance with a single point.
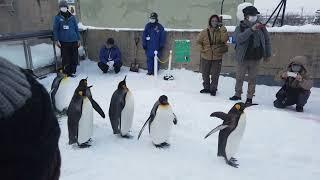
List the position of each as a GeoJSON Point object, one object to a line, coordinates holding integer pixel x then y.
{"type": "Point", "coordinates": [67, 37]}
{"type": "Point", "coordinates": [154, 37]}
{"type": "Point", "coordinates": [110, 57]}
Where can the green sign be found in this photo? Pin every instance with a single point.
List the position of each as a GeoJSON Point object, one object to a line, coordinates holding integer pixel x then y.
{"type": "Point", "coordinates": [182, 51]}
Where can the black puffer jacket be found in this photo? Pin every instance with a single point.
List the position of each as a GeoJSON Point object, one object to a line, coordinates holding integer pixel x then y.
{"type": "Point", "coordinates": [29, 136]}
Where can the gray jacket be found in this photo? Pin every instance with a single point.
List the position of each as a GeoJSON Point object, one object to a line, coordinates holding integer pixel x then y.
{"type": "Point", "coordinates": [242, 41]}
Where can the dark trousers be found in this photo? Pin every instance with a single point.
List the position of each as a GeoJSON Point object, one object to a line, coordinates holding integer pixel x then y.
{"type": "Point", "coordinates": [104, 67]}
{"type": "Point", "coordinates": [70, 55]}
{"type": "Point", "coordinates": [150, 64]}
{"type": "Point", "coordinates": [210, 68]}
{"type": "Point", "coordinates": [287, 96]}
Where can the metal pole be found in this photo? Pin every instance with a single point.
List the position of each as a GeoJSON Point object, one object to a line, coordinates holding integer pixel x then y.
{"type": "Point", "coordinates": [155, 64]}
{"type": "Point", "coordinates": [284, 11]}
{"type": "Point", "coordinates": [221, 10]}
{"type": "Point", "coordinates": [30, 56]}
{"type": "Point", "coordinates": [55, 55]}
{"type": "Point", "coordinates": [26, 57]}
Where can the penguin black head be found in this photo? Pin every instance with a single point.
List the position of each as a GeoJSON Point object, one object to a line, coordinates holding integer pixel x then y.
{"type": "Point", "coordinates": [122, 84]}
{"type": "Point", "coordinates": [163, 100]}
{"type": "Point", "coordinates": [83, 83]}
{"type": "Point", "coordinates": [60, 72]}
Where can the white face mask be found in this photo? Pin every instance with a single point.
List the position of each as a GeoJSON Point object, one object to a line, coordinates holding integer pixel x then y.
{"type": "Point", "coordinates": [253, 18]}
{"type": "Point", "coordinates": [63, 9]}
{"type": "Point", "coordinates": [152, 20]}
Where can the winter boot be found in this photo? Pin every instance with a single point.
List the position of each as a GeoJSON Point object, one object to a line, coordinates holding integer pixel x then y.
{"type": "Point", "coordinates": [299, 108]}
{"type": "Point", "coordinates": [235, 98]}
{"type": "Point", "coordinates": [248, 102]}
{"type": "Point", "coordinates": [205, 91]}
{"type": "Point", "coordinates": [213, 93]}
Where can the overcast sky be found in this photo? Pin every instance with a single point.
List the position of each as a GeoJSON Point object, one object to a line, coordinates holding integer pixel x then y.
{"type": "Point", "coordinates": [309, 6]}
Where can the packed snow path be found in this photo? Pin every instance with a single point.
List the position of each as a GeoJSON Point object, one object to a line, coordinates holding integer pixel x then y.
{"type": "Point", "coordinates": [277, 144]}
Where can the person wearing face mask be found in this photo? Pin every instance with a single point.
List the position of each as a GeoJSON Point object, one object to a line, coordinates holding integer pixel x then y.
{"type": "Point", "coordinates": [212, 42]}
{"type": "Point", "coordinates": [67, 37]}
{"type": "Point", "coordinates": [297, 84]}
{"type": "Point", "coordinates": [153, 39]}
{"type": "Point", "coordinates": [252, 45]}
{"type": "Point", "coordinates": [110, 57]}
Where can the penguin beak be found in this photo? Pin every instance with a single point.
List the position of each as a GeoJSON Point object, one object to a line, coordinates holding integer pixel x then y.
{"type": "Point", "coordinates": [125, 78]}
{"type": "Point", "coordinates": [250, 105]}
{"type": "Point", "coordinates": [87, 78]}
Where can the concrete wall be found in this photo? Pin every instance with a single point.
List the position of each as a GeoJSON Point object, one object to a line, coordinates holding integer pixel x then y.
{"type": "Point", "coordinates": [28, 15]}
{"type": "Point", "coordinates": [285, 46]}
{"type": "Point", "coordinates": [185, 14]}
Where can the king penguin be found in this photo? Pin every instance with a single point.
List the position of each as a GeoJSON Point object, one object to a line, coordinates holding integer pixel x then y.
{"type": "Point", "coordinates": [59, 87]}
{"type": "Point", "coordinates": [80, 115]}
{"type": "Point", "coordinates": [160, 122]}
{"type": "Point", "coordinates": [121, 110]}
{"type": "Point", "coordinates": [231, 132]}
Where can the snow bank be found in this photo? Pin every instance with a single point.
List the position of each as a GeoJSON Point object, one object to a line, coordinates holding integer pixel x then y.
{"type": "Point", "coordinates": [277, 144]}
{"type": "Point", "coordinates": [309, 28]}
{"type": "Point", "coordinates": [84, 27]}
{"type": "Point", "coordinates": [42, 54]}
{"type": "Point", "coordinates": [299, 29]}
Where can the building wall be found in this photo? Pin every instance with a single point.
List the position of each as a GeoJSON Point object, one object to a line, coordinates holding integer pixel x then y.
{"type": "Point", "coordinates": [284, 45]}
{"type": "Point", "coordinates": [28, 15]}
{"type": "Point", "coordinates": [172, 13]}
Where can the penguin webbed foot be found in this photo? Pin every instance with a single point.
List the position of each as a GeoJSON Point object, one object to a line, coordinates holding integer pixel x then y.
{"type": "Point", "coordinates": [85, 145]}
{"type": "Point", "coordinates": [233, 164]}
{"type": "Point", "coordinates": [162, 145]}
{"type": "Point", "coordinates": [127, 136]}
{"type": "Point", "coordinates": [233, 159]}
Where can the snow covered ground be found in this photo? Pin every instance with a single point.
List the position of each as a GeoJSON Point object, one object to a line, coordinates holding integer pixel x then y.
{"type": "Point", "coordinates": [277, 144]}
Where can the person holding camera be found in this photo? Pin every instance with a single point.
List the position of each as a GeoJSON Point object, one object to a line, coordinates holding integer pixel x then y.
{"type": "Point", "coordinates": [252, 44]}
{"type": "Point", "coordinates": [213, 44]}
{"type": "Point", "coordinates": [297, 85]}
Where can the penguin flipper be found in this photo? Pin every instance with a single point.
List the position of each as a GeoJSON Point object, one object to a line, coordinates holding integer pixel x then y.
{"type": "Point", "coordinates": [54, 88]}
{"type": "Point", "coordinates": [74, 113]}
{"type": "Point", "coordinates": [96, 107]}
{"type": "Point", "coordinates": [143, 127]}
{"type": "Point", "coordinates": [175, 120]}
{"type": "Point", "coordinates": [218, 128]}
{"type": "Point", "coordinates": [221, 115]}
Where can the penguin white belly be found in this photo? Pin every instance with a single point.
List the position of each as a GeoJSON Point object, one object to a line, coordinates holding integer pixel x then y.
{"type": "Point", "coordinates": [160, 127]}
{"type": "Point", "coordinates": [62, 97]}
{"type": "Point", "coordinates": [235, 137]}
{"type": "Point", "coordinates": [127, 114]}
{"type": "Point", "coordinates": [86, 122]}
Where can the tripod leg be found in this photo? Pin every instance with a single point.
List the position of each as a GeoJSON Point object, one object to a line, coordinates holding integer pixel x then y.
{"type": "Point", "coordinates": [275, 20]}
{"type": "Point", "coordinates": [284, 11]}
{"type": "Point", "coordinates": [274, 12]}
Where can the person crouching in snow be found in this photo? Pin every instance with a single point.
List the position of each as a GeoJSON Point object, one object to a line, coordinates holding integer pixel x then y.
{"type": "Point", "coordinates": [154, 38]}
{"type": "Point", "coordinates": [297, 85]}
{"type": "Point", "coordinates": [110, 57]}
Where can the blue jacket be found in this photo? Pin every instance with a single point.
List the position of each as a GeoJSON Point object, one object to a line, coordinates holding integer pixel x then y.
{"type": "Point", "coordinates": [114, 54]}
{"type": "Point", "coordinates": [157, 35]}
{"type": "Point", "coordinates": [65, 30]}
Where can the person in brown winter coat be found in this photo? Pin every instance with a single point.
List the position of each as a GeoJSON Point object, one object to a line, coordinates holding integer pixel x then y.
{"type": "Point", "coordinates": [297, 85]}
{"type": "Point", "coordinates": [212, 42]}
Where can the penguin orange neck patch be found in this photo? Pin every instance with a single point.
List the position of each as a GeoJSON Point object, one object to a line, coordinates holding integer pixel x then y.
{"type": "Point", "coordinates": [237, 106]}
{"type": "Point", "coordinates": [80, 93]}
